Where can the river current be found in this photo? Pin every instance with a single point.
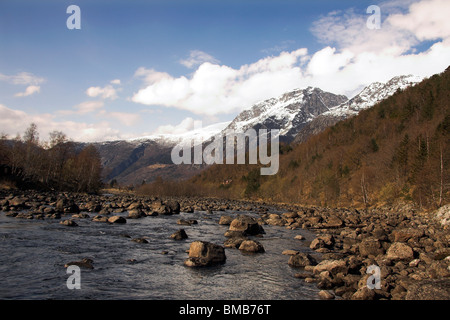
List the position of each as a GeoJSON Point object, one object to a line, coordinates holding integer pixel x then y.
{"type": "Point", "coordinates": [33, 254]}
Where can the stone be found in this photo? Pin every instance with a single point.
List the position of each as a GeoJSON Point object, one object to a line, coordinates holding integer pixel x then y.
{"type": "Point", "coordinates": [135, 214]}
{"type": "Point", "coordinates": [251, 246]}
{"type": "Point", "coordinates": [370, 247]}
{"type": "Point", "coordinates": [159, 208]}
{"type": "Point", "coordinates": [69, 223]}
{"type": "Point", "coordinates": [117, 219]}
{"type": "Point", "coordinates": [290, 215]}
{"type": "Point", "coordinates": [442, 215]}
{"type": "Point", "coordinates": [403, 235]}
{"type": "Point", "coordinates": [299, 237]}
{"type": "Point", "coordinates": [324, 241]}
{"type": "Point", "coordinates": [301, 259]}
{"type": "Point", "coordinates": [203, 254]}
{"type": "Point", "coordinates": [333, 266]}
{"type": "Point", "coordinates": [399, 251]}
{"type": "Point", "coordinates": [179, 235]}
{"type": "Point", "coordinates": [247, 225]}
{"type": "Point", "coordinates": [93, 206]}
{"type": "Point", "coordinates": [290, 252]}
{"type": "Point", "coordinates": [363, 293]}
{"type": "Point", "coordinates": [333, 222]}
{"type": "Point", "coordinates": [139, 240]}
{"type": "Point", "coordinates": [99, 218]}
{"type": "Point", "coordinates": [234, 242]}
{"type": "Point", "coordinates": [85, 263]}
{"type": "Point", "coordinates": [326, 295]}
{"type": "Point", "coordinates": [429, 290]}
{"type": "Point", "coordinates": [174, 206]}
{"type": "Point", "coordinates": [186, 222]}
{"type": "Point", "coordinates": [225, 220]}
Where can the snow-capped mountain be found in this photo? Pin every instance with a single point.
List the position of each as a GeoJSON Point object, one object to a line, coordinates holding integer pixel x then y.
{"type": "Point", "coordinates": [372, 94]}
{"type": "Point", "coordinates": [298, 114]}
{"type": "Point", "coordinates": [368, 97]}
{"type": "Point", "coordinates": [288, 112]}
{"type": "Point", "coordinates": [172, 139]}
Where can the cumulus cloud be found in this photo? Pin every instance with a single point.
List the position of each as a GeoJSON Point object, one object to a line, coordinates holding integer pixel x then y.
{"type": "Point", "coordinates": [426, 20]}
{"type": "Point", "coordinates": [218, 89]}
{"type": "Point", "coordinates": [28, 91]}
{"type": "Point", "coordinates": [354, 57]}
{"type": "Point", "coordinates": [107, 92]}
{"type": "Point", "coordinates": [196, 58]}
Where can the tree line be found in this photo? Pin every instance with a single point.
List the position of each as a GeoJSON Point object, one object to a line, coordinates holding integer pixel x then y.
{"type": "Point", "coordinates": [56, 164]}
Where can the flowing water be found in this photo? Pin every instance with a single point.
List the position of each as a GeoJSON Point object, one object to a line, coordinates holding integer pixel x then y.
{"type": "Point", "coordinates": [33, 254]}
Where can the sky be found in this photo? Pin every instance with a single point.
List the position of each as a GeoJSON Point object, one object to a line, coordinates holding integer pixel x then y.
{"type": "Point", "coordinates": [138, 68]}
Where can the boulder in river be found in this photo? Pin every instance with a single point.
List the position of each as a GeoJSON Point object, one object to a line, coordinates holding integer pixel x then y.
{"type": "Point", "coordinates": [117, 219]}
{"type": "Point", "coordinates": [203, 254]}
{"type": "Point", "coordinates": [69, 223]}
{"type": "Point", "coordinates": [251, 246]}
{"type": "Point", "coordinates": [179, 235]}
{"type": "Point", "coordinates": [247, 225]}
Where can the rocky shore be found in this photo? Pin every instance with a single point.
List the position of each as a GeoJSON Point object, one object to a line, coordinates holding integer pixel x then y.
{"type": "Point", "coordinates": [409, 249]}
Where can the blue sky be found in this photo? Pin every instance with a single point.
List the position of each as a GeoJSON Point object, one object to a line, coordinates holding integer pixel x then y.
{"type": "Point", "coordinates": [141, 67]}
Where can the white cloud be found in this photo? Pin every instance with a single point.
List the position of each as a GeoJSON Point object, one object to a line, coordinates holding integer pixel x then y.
{"type": "Point", "coordinates": [151, 76]}
{"type": "Point", "coordinates": [125, 118]}
{"type": "Point", "coordinates": [107, 92]}
{"type": "Point", "coordinates": [362, 56]}
{"type": "Point", "coordinates": [115, 81]}
{"type": "Point", "coordinates": [354, 56]}
{"type": "Point", "coordinates": [84, 108]}
{"type": "Point", "coordinates": [196, 58]}
{"type": "Point", "coordinates": [427, 20]}
{"type": "Point", "coordinates": [28, 91]}
{"type": "Point", "coordinates": [15, 122]}
{"type": "Point", "coordinates": [184, 126]}
{"type": "Point", "coordinates": [218, 89]}
{"type": "Point", "coordinates": [22, 78]}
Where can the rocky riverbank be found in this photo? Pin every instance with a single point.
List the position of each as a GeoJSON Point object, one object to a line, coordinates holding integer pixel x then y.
{"type": "Point", "coordinates": [410, 249]}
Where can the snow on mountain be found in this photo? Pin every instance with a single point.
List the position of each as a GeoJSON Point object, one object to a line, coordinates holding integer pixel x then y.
{"type": "Point", "coordinates": [368, 97]}
{"type": "Point", "coordinates": [198, 134]}
{"type": "Point", "coordinates": [372, 94]}
{"type": "Point", "coordinates": [287, 112]}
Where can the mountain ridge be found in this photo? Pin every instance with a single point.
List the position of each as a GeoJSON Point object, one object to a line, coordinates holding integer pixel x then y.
{"type": "Point", "coordinates": [298, 114]}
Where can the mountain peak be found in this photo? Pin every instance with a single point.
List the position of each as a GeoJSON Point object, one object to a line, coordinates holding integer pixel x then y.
{"type": "Point", "coordinates": [287, 112]}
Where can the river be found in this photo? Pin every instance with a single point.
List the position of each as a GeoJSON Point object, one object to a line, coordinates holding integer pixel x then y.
{"type": "Point", "coordinates": [33, 254]}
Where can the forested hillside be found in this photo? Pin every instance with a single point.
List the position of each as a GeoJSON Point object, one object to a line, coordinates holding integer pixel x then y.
{"type": "Point", "coordinates": [57, 164]}
{"type": "Point", "coordinates": [397, 150]}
